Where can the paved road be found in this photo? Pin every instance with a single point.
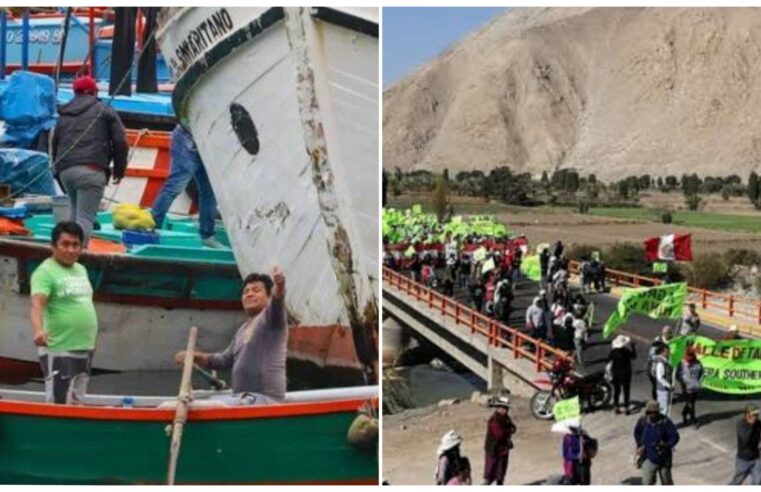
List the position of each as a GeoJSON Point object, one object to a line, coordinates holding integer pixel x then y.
{"type": "Point", "coordinates": [717, 413]}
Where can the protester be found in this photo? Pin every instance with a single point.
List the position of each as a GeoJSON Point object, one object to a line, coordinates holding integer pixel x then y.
{"type": "Point", "coordinates": [536, 318]}
{"type": "Point", "coordinates": [662, 372]}
{"type": "Point", "coordinates": [580, 338]}
{"type": "Point", "coordinates": [689, 373]}
{"type": "Point", "coordinates": [544, 264]}
{"type": "Point", "coordinates": [489, 288]}
{"type": "Point", "coordinates": [656, 437]}
{"type": "Point", "coordinates": [449, 275]}
{"type": "Point", "coordinates": [463, 473]}
{"type": "Point", "coordinates": [88, 136]}
{"type": "Point", "coordinates": [657, 342]}
{"type": "Point", "coordinates": [690, 322]}
{"type": "Point", "coordinates": [465, 259]}
{"type": "Point", "coordinates": [732, 334]}
{"type": "Point", "coordinates": [63, 317]}
{"type": "Point", "coordinates": [499, 441]}
{"type": "Point", "coordinates": [257, 353]}
{"type": "Point", "coordinates": [448, 458]}
{"type": "Point", "coordinates": [620, 360]}
{"type": "Point", "coordinates": [578, 450]}
{"type": "Point", "coordinates": [186, 165]}
{"type": "Point", "coordinates": [503, 298]}
{"type": "Point", "coordinates": [748, 461]}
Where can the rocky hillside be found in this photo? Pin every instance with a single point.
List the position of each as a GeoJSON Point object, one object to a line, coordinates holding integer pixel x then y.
{"type": "Point", "coordinates": [611, 91]}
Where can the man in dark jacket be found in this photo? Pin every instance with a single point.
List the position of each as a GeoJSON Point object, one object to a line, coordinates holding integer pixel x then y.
{"type": "Point", "coordinates": [499, 441]}
{"type": "Point", "coordinates": [88, 136]}
{"type": "Point", "coordinates": [748, 461]}
{"type": "Point", "coordinates": [656, 436]}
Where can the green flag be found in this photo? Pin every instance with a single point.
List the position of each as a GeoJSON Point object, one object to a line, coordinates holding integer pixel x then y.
{"type": "Point", "coordinates": [410, 252]}
{"type": "Point", "coordinates": [660, 267]}
{"type": "Point", "coordinates": [663, 301]}
{"type": "Point", "coordinates": [417, 209]}
{"type": "Point", "coordinates": [729, 366]}
{"type": "Point", "coordinates": [530, 267]}
{"type": "Point", "coordinates": [567, 409]}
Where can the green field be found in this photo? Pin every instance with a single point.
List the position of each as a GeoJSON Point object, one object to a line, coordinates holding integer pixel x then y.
{"type": "Point", "coordinates": [721, 222]}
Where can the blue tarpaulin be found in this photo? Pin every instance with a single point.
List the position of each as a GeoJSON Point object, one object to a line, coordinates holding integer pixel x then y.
{"type": "Point", "coordinates": [28, 107]}
{"type": "Point", "coordinates": [26, 171]}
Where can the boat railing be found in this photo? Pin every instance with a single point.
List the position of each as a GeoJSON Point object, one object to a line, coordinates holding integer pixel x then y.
{"type": "Point", "coordinates": [305, 396]}
{"type": "Point", "coordinates": [497, 334]}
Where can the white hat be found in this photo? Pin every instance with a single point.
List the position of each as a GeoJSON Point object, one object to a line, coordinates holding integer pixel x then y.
{"type": "Point", "coordinates": [449, 441]}
{"type": "Point", "coordinates": [500, 401]}
{"type": "Point", "coordinates": [621, 341]}
{"type": "Point", "coordinates": [733, 328]}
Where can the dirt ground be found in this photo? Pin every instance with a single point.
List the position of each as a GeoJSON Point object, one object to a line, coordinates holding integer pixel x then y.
{"type": "Point", "coordinates": [410, 440]}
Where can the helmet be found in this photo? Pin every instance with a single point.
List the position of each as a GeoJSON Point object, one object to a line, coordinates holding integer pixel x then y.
{"type": "Point", "coordinates": [561, 365]}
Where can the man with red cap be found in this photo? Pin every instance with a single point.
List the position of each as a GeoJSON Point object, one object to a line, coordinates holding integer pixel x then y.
{"type": "Point", "coordinates": [689, 373]}
{"type": "Point", "coordinates": [88, 136]}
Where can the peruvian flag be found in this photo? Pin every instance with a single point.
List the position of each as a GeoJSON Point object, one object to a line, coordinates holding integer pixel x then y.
{"type": "Point", "coordinates": [673, 247]}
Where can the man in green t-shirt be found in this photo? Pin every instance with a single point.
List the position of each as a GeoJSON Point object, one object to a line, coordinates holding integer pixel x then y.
{"type": "Point", "coordinates": [64, 322]}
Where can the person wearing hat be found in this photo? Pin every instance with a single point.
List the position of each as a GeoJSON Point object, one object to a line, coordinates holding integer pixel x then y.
{"type": "Point", "coordinates": [499, 441]}
{"type": "Point", "coordinates": [88, 136]}
{"type": "Point", "coordinates": [690, 322]}
{"type": "Point", "coordinates": [732, 334]}
{"type": "Point", "coordinates": [689, 372]}
{"type": "Point", "coordinates": [656, 437]}
{"type": "Point", "coordinates": [620, 360]}
{"type": "Point", "coordinates": [449, 457]}
{"type": "Point", "coordinates": [748, 461]}
{"type": "Point", "coordinates": [578, 451]}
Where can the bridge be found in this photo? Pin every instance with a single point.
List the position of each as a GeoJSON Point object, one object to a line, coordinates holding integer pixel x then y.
{"type": "Point", "coordinates": [504, 355]}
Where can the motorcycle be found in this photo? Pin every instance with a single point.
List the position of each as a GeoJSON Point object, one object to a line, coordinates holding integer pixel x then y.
{"type": "Point", "coordinates": [593, 390]}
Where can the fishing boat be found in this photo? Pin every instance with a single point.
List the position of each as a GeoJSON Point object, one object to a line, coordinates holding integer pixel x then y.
{"type": "Point", "coordinates": [302, 441]}
{"type": "Point", "coordinates": [283, 105]}
{"type": "Point", "coordinates": [146, 297]}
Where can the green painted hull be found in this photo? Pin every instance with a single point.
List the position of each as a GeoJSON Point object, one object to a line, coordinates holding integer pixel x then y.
{"type": "Point", "coordinates": [271, 450]}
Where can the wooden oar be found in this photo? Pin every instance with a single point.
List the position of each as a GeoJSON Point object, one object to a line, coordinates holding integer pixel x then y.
{"type": "Point", "coordinates": [183, 402]}
{"type": "Point", "coordinates": [214, 381]}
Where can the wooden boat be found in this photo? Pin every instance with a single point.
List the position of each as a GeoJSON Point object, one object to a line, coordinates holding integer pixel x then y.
{"type": "Point", "coordinates": [146, 299]}
{"type": "Point", "coordinates": [302, 441]}
{"type": "Point", "coordinates": [283, 105]}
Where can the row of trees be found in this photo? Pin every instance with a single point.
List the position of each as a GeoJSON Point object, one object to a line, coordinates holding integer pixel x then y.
{"type": "Point", "coordinates": [522, 189]}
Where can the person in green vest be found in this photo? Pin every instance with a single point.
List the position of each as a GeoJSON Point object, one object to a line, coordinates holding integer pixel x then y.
{"type": "Point", "coordinates": [64, 322]}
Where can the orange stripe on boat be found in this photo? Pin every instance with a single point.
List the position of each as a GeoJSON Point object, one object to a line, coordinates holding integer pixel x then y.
{"type": "Point", "coordinates": [12, 227]}
{"type": "Point", "coordinates": [98, 245]}
{"type": "Point", "coordinates": [165, 415]}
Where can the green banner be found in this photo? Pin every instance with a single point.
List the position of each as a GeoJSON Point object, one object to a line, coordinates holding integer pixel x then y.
{"type": "Point", "coordinates": [663, 301]}
{"type": "Point", "coordinates": [730, 366]}
{"type": "Point", "coordinates": [567, 409]}
{"type": "Point", "coordinates": [660, 267]}
{"type": "Point", "coordinates": [530, 267]}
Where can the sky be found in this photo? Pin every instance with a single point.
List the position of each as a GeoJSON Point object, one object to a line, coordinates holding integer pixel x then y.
{"type": "Point", "coordinates": [414, 35]}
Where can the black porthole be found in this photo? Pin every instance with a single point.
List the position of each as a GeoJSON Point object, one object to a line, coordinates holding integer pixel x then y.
{"type": "Point", "coordinates": [244, 128]}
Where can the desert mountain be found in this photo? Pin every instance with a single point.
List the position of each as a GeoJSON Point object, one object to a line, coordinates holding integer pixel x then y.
{"type": "Point", "coordinates": [610, 91]}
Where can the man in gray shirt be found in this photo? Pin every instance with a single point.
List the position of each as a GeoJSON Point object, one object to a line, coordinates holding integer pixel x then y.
{"type": "Point", "coordinates": [257, 353]}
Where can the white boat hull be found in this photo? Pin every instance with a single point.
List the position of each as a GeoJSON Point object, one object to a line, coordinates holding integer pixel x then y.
{"type": "Point", "coordinates": [324, 237]}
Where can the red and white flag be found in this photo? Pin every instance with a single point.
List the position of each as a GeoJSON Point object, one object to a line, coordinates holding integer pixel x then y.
{"type": "Point", "coordinates": [672, 247]}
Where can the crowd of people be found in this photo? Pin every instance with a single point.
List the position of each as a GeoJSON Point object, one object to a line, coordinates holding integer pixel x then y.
{"type": "Point", "coordinates": [562, 318]}
{"type": "Point", "coordinates": [655, 438]}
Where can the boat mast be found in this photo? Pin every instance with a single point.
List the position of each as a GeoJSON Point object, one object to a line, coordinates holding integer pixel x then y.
{"type": "Point", "coordinates": [4, 44]}
{"type": "Point", "coordinates": [25, 40]}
